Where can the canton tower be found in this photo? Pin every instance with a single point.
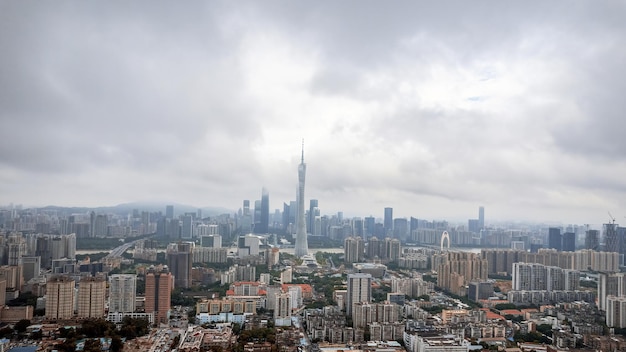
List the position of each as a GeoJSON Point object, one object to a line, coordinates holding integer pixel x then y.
{"type": "Point", "coordinates": [302, 246]}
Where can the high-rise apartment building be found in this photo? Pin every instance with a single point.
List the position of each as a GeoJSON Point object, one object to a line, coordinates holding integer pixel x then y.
{"type": "Point", "coordinates": [616, 312]}
{"type": "Point", "coordinates": [159, 287]}
{"type": "Point", "coordinates": [91, 297]}
{"type": "Point", "coordinates": [179, 260]}
{"type": "Point", "coordinates": [538, 277]}
{"type": "Point", "coordinates": [610, 284]}
{"type": "Point", "coordinates": [122, 290]}
{"type": "Point", "coordinates": [388, 221]}
{"type": "Point", "coordinates": [359, 290]}
{"type": "Point", "coordinates": [282, 310]}
{"type": "Point", "coordinates": [60, 298]}
{"type": "Point", "coordinates": [302, 244]}
{"type": "Point", "coordinates": [353, 249]}
{"type": "Point", "coordinates": [457, 269]}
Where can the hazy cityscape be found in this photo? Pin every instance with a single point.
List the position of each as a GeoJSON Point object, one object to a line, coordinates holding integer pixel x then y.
{"type": "Point", "coordinates": [214, 176]}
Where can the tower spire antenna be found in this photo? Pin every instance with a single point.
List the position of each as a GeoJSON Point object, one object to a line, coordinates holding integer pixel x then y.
{"type": "Point", "coordinates": [302, 160]}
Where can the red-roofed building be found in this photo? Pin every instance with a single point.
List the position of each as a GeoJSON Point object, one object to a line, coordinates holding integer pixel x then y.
{"type": "Point", "coordinates": [307, 290]}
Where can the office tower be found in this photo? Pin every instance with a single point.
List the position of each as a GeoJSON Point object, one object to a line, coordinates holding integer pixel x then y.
{"type": "Point", "coordinates": [60, 298]}
{"type": "Point", "coordinates": [264, 216]}
{"type": "Point", "coordinates": [388, 221]}
{"type": "Point", "coordinates": [179, 260]}
{"type": "Point", "coordinates": [257, 216]}
{"type": "Point", "coordinates": [101, 225]}
{"type": "Point", "coordinates": [370, 226]}
{"type": "Point", "coordinates": [122, 290]}
{"type": "Point", "coordinates": [353, 249]}
{"type": "Point", "coordinates": [30, 267]}
{"type": "Point", "coordinates": [246, 221]}
{"type": "Point", "coordinates": [413, 225]}
{"type": "Point", "coordinates": [481, 218]}
{"type": "Point", "coordinates": [473, 225]}
{"type": "Point", "coordinates": [187, 228]}
{"type": "Point", "coordinates": [611, 242]}
{"type": "Point", "coordinates": [479, 290]}
{"type": "Point", "coordinates": [592, 240]}
{"type": "Point", "coordinates": [92, 224]}
{"type": "Point", "coordinates": [358, 228]}
{"type": "Point", "coordinates": [248, 245]}
{"type": "Point", "coordinates": [554, 238]}
{"type": "Point", "coordinates": [569, 242]}
{"type": "Point", "coordinates": [91, 296]}
{"type": "Point", "coordinates": [359, 290]}
{"type": "Point", "coordinates": [400, 229]}
{"type": "Point", "coordinates": [313, 212]}
{"type": "Point", "coordinates": [621, 239]}
{"type": "Point", "coordinates": [169, 211]}
{"type": "Point", "coordinates": [158, 292]}
{"type": "Point", "coordinates": [212, 241]}
{"type": "Point", "coordinates": [302, 245]}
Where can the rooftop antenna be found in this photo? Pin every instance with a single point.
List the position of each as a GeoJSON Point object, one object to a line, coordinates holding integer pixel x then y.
{"type": "Point", "coordinates": [302, 160]}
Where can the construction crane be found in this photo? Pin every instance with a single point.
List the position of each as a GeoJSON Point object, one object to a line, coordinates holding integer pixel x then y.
{"type": "Point", "coordinates": [611, 217]}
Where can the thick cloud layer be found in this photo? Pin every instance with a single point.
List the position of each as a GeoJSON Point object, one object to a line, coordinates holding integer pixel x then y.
{"type": "Point", "coordinates": [433, 108]}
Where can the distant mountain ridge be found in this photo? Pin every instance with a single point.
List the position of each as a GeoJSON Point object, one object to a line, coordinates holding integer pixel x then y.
{"type": "Point", "coordinates": [126, 208]}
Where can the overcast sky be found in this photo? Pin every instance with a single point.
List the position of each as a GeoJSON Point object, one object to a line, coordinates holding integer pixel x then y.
{"type": "Point", "coordinates": [432, 108]}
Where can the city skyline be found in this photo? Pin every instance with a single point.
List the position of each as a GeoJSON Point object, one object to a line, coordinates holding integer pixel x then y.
{"type": "Point", "coordinates": [427, 108]}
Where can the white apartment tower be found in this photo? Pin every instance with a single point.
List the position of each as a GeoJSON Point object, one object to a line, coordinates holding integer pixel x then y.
{"type": "Point", "coordinates": [359, 290]}
{"type": "Point", "coordinates": [122, 293]}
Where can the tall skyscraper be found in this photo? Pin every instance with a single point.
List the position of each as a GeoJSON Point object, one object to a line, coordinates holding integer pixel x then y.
{"type": "Point", "coordinates": [569, 242]}
{"type": "Point", "coordinates": [611, 241]}
{"type": "Point", "coordinates": [169, 211]}
{"type": "Point", "coordinates": [481, 218]}
{"type": "Point", "coordinates": [60, 298]}
{"type": "Point", "coordinates": [359, 290]}
{"type": "Point", "coordinates": [313, 212]}
{"type": "Point", "coordinates": [91, 296]}
{"type": "Point", "coordinates": [592, 240]}
{"type": "Point", "coordinates": [388, 221]}
{"type": "Point", "coordinates": [555, 239]}
{"type": "Point", "coordinates": [158, 292]}
{"type": "Point", "coordinates": [265, 213]}
{"type": "Point", "coordinates": [302, 245]}
{"type": "Point", "coordinates": [179, 260]}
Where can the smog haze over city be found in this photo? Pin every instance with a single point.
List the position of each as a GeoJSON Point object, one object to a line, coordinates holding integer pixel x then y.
{"type": "Point", "coordinates": [432, 108]}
